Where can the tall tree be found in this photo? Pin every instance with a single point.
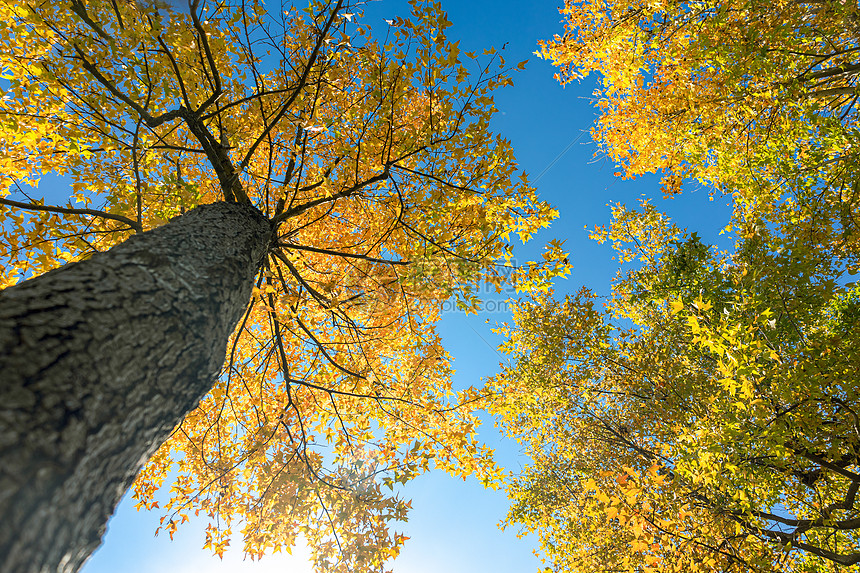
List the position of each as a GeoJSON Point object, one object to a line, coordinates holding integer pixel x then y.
{"type": "Point", "coordinates": [327, 185]}
{"type": "Point", "coordinates": [705, 418]}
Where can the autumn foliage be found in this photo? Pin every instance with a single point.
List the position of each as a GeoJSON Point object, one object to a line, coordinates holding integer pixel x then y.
{"type": "Point", "coordinates": [704, 415]}
{"type": "Point", "coordinates": [702, 419]}
{"type": "Point", "coordinates": [753, 98]}
{"type": "Point", "coordinates": [369, 147]}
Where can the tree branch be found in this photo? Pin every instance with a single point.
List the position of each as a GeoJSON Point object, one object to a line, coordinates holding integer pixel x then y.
{"type": "Point", "coordinates": [341, 254]}
{"type": "Point", "coordinates": [150, 120]}
{"type": "Point", "coordinates": [299, 209]}
{"type": "Point", "coordinates": [302, 82]}
{"type": "Point", "coordinates": [72, 211]}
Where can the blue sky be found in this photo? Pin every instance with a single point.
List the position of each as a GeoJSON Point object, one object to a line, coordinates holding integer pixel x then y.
{"type": "Point", "coordinates": [453, 525]}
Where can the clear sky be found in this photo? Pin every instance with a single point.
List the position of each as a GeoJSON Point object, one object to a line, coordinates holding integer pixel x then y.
{"type": "Point", "coordinates": [453, 524]}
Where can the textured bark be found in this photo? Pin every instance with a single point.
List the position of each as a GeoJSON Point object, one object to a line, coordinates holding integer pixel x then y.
{"type": "Point", "coordinates": [99, 361]}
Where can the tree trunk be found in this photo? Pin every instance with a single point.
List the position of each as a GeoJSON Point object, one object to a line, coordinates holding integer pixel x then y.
{"type": "Point", "coordinates": [99, 361]}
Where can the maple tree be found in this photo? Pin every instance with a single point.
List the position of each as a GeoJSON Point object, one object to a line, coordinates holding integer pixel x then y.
{"type": "Point", "coordinates": [704, 419]}
{"type": "Point", "coordinates": [704, 416]}
{"type": "Point", "coordinates": [324, 184]}
{"type": "Point", "coordinates": [753, 98]}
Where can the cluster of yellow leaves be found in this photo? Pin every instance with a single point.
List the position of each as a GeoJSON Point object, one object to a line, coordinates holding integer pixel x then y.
{"type": "Point", "coordinates": [705, 418]}
{"type": "Point", "coordinates": [687, 426]}
{"type": "Point", "coordinates": [371, 148]}
{"type": "Point", "coordinates": [753, 98]}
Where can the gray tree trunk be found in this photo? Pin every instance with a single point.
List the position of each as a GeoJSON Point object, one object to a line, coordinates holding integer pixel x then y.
{"type": "Point", "coordinates": [99, 361]}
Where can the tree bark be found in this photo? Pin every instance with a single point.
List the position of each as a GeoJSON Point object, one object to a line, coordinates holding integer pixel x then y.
{"type": "Point", "coordinates": [99, 361]}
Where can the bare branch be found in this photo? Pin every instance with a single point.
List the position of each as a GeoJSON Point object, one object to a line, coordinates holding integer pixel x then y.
{"type": "Point", "coordinates": [341, 254]}
{"type": "Point", "coordinates": [299, 209]}
{"type": "Point", "coordinates": [302, 82]}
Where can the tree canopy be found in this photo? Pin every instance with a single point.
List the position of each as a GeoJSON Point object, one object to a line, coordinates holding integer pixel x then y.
{"type": "Point", "coordinates": [702, 420]}
{"type": "Point", "coordinates": [703, 416]}
{"type": "Point", "coordinates": [756, 99]}
{"type": "Point", "coordinates": [370, 150]}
